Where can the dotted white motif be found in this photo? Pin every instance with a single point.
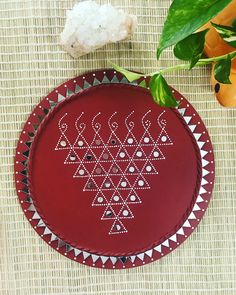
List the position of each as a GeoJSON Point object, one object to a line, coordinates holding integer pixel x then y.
{"type": "Point", "coordinates": [101, 162]}
{"type": "Point", "coordinates": [80, 143]}
{"type": "Point", "coordinates": [131, 169]}
{"type": "Point", "coordinates": [130, 140]}
{"type": "Point", "coordinates": [63, 143]}
{"type": "Point", "coordinates": [132, 198]}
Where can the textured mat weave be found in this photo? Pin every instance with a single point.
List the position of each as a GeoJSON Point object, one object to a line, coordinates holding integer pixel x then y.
{"type": "Point", "coordinates": [31, 64]}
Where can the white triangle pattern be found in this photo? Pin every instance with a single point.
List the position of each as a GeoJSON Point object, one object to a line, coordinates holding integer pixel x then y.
{"type": "Point", "coordinates": [103, 154]}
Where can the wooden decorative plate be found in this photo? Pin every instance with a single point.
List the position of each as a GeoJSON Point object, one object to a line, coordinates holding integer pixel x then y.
{"type": "Point", "coordinates": [109, 178]}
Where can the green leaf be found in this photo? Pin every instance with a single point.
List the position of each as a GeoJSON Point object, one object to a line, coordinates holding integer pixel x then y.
{"type": "Point", "coordinates": [131, 76]}
{"type": "Point", "coordinates": [143, 84]}
{"type": "Point", "coordinates": [191, 48]}
{"type": "Point", "coordinates": [228, 34]}
{"type": "Point", "coordinates": [222, 71]}
{"type": "Point", "coordinates": [161, 92]}
{"type": "Point", "coordinates": [185, 17]}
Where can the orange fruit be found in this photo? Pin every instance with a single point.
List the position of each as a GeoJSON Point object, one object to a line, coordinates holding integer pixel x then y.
{"type": "Point", "coordinates": [216, 46]}
{"type": "Point", "coordinates": [225, 93]}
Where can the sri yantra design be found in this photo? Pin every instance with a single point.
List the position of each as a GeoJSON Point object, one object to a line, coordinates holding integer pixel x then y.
{"type": "Point", "coordinates": [115, 169]}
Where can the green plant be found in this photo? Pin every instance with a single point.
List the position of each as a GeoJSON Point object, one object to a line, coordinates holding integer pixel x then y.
{"type": "Point", "coordinates": [184, 18]}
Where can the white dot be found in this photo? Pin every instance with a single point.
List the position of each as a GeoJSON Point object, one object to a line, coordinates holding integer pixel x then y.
{"type": "Point", "coordinates": [156, 154]}
{"type": "Point", "coordinates": [80, 143]}
{"type": "Point", "coordinates": [125, 212]}
{"type": "Point", "coordinates": [148, 168]}
{"type": "Point", "coordinates": [94, 75]}
{"type": "Point", "coordinates": [63, 143]}
{"type": "Point", "coordinates": [74, 81]}
{"type": "Point", "coordinates": [100, 199]}
{"type": "Point", "coordinates": [146, 139]}
{"type": "Point", "coordinates": [116, 198]}
{"type": "Point", "coordinates": [130, 140]}
{"type": "Point", "coordinates": [131, 169]}
{"type": "Point", "coordinates": [107, 184]}
{"type": "Point", "coordinates": [164, 138]}
{"type": "Point", "coordinates": [122, 155]}
{"type": "Point", "coordinates": [65, 86]}
{"type": "Point", "coordinates": [141, 183]}
{"type": "Point", "coordinates": [29, 122]}
{"type": "Point", "coordinates": [139, 154]}
{"type": "Point", "coordinates": [72, 158]}
{"type": "Point", "coordinates": [123, 183]}
{"type": "Point", "coordinates": [108, 213]}
{"type": "Point", "coordinates": [132, 197]}
{"type": "Point", "coordinates": [118, 227]}
{"type": "Point", "coordinates": [81, 172]}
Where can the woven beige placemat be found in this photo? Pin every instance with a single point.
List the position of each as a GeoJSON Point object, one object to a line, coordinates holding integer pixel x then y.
{"type": "Point", "coordinates": [32, 63]}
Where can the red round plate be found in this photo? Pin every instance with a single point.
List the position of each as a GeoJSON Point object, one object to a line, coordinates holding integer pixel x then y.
{"type": "Point", "coordinates": [109, 178]}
